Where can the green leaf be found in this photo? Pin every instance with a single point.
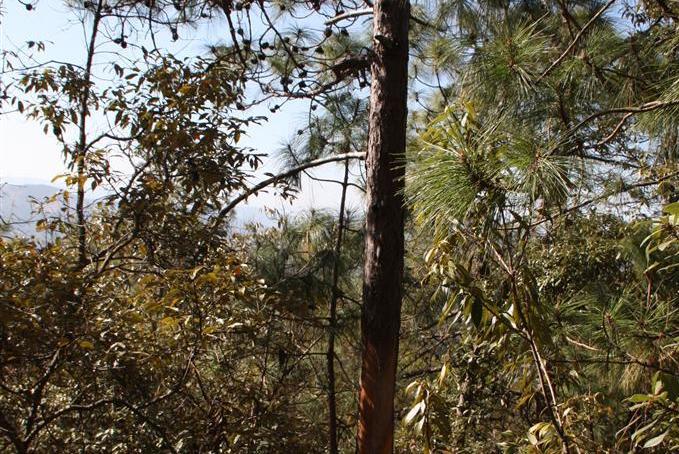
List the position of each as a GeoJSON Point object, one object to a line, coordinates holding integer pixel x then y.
{"type": "Point", "coordinates": [636, 398]}
{"type": "Point", "coordinates": [672, 208]}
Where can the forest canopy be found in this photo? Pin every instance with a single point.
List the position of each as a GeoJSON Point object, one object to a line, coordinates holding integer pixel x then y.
{"type": "Point", "coordinates": [511, 284]}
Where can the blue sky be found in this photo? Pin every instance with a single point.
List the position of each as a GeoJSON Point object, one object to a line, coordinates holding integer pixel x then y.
{"type": "Point", "coordinates": [27, 155]}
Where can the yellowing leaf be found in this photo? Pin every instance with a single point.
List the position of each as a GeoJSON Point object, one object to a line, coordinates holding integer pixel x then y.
{"type": "Point", "coordinates": [87, 345]}
{"type": "Point", "coordinates": [169, 322]}
{"type": "Point", "coordinates": [210, 329]}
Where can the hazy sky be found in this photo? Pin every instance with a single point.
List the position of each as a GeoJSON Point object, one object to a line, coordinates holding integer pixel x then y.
{"type": "Point", "coordinates": [27, 155]}
{"type": "Point", "coordinates": [25, 152]}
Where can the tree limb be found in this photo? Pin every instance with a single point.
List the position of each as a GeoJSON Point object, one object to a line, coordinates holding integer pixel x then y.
{"type": "Point", "coordinates": [348, 15]}
{"type": "Point", "coordinates": [276, 178]}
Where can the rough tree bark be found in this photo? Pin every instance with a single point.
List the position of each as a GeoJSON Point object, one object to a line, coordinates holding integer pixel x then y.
{"type": "Point", "coordinates": [383, 269]}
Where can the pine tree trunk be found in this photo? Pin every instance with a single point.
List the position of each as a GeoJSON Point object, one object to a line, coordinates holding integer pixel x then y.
{"type": "Point", "coordinates": [383, 269]}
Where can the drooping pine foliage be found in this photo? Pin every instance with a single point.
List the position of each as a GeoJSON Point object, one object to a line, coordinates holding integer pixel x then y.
{"type": "Point", "coordinates": [539, 182]}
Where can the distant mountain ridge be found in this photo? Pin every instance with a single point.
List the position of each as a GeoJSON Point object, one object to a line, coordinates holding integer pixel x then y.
{"type": "Point", "coordinates": [18, 208]}
{"type": "Point", "coordinates": [19, 203]}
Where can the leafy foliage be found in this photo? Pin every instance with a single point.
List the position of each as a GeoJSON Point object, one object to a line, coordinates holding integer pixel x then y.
{"type": "Point", "coordinates": [540, 310]}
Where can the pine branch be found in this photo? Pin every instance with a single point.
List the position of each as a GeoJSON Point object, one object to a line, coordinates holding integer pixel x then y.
{"type": "Point", "coordinates": [649, 106]}
{"type": "Point", "coordinates": [625, 188]}
{"type": "Point", "coordinates": [582, 31]}
{"type": "Point", "coordinates": [349, 15]}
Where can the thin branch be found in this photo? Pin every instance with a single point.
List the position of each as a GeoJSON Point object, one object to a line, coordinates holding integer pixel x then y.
{"type": "Point", "coordinates": [581, 344]}
{"type": "Point", "coordinates": [325, 180]}
{"type": "Point", "coordinates": [616, 130]}
{"type": "Point", "coordinates": [276, 178]}
{"type": "Point", "coordinates": [37, 391]}
{"type": "Point", "coordinates": [582, 31]}
{"type": "Point", "coordinates": [626, 188]}
{"type": "Point", "coordinates": [369, 11]}
{"type": "Point", "coordinates": [349, 15]}
{"type": "Point", "coordinates": [649, 106]}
